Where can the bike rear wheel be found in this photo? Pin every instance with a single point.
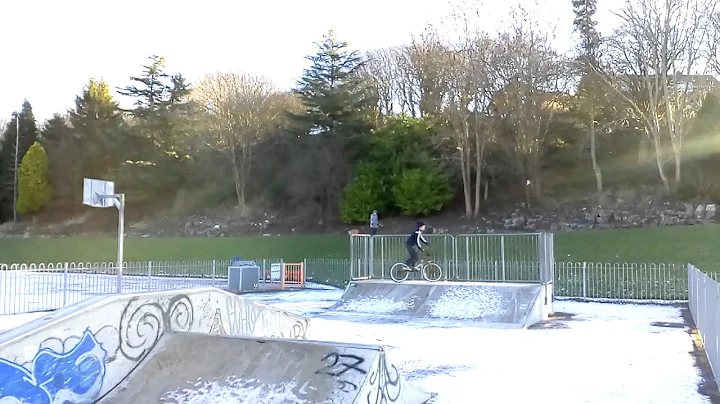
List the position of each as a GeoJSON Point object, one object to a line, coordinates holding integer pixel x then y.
{"type": "Point", "coordinates": [432, 272]}
{"type": "Point", "coordinates": [399, 272]}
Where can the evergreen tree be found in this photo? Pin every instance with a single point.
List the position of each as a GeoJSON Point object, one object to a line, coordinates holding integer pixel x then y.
{"type": "Point", "coordinates": [160, 107]}
{"type": "Point", "coordinates": [337, 99]}
{"type": "Point", "coordinates": [338, 105]}
{"type": "Point", "coordinates": [97, 124]}
{"type": "Point", "coordinates": [26, 136]}
{"type": "Point", "coordinates": [33, 184]}
{"type": "Point", "coordinates": [65, 157]}
{"type": "Point", "coordinates": [585, 25]}
{"type": "Point", "coordinates": [179, 90]}
{"type": "Point", "coordinates": [150, 90]}
{"type": "Point", "coordinates": [161, 126]}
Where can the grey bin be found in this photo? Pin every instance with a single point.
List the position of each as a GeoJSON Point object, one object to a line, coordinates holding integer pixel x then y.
{"type": "Point", "coordinates": [243, 276]}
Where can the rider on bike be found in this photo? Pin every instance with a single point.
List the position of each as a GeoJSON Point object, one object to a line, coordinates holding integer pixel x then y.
{"type": "Point", "coordinates": [413, 242]}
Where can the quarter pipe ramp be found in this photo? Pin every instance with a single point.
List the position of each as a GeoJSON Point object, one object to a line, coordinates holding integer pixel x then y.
{"type": "Point", "coordinates": [196, 368]}
{"type": "Point", "coordinates": [187, 346]}
{"type": "Point", "coordinates": [486, 304]}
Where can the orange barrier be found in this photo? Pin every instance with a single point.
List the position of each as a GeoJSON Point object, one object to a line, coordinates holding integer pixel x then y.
{"type": "Point", "coordinates": [293, 275]}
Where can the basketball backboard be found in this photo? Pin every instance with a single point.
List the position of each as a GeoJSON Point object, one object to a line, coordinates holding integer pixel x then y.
{"type": "Point", "coordinates": [93, 189]}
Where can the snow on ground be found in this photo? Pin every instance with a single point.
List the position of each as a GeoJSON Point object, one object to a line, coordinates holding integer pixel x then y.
{"type": "Point", "coordinates": [466, 302]}
{"type": "Point", "coordinates": [233, 390]}
{"type": "Point", "coordinates": [605, 353]}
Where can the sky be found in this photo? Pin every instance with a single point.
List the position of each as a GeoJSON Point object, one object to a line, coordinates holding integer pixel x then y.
{"type": "Point", "coordinates": [52, 48]}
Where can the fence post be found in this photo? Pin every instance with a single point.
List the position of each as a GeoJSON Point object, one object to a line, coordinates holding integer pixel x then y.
{"type": "Point", "coordinates": [303, 273]}
{"type": "Point", "coordinates": [584, 279]}
{"type": "Point", "coordinates": [149, 287]}
{"type": "Point", "coordinates": [502, 255]}
{"type": "Point", "coordinates": [467, 258]}
{"type": "Point", "coordinates": [365, 264]}
{"type": "Point", "coordinates": [65, 283]}
{"type": "Point", "coordinates": [213, 269]}
{"type": "Point", "coordinates": [382, 258]}
{"type": "Point", "coordinates": [371, 257]}
{"type": "Point", "coordinates": [263, 275]}
{"type": "Point", "coordinates": [282, 277]}
{"type": "Point", "coordinates": [352, 257]}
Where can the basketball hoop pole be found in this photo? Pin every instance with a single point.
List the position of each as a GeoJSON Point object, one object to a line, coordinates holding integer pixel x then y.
{"type": "Point", "coordinates": [119, 202]}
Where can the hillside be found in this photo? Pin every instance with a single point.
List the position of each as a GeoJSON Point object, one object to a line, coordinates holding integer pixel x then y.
{"type": "Point", "coordinates": [621, 209]}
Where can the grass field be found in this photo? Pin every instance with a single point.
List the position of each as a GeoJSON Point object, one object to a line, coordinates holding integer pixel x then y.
{"type": "Point", "coordinates": [696, 244]}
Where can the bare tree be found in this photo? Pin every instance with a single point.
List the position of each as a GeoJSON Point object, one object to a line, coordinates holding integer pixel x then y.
{"type": "Point", "coordinates": [424, 61]}
{"type": "Point", "coordinates": [460, 94]}
{"type": "Point", "coordinates": [381, 69]}
{"type": "Point", "coordinates": [240, 109]}
{"type": "Point", "coordinates": [470, 86]}
{"type": "Point", "coordinates": [657, 54]}
{"type": "Point", "coordinates": [535, 81]}
{"type": "Point", "coordinates": [713, 49]}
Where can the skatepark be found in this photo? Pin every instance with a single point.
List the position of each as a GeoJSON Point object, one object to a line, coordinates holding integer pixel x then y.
{"type": "Point", "coordinates": [144, 347]}
{"type": "Point", "coordinates": [376, 341]}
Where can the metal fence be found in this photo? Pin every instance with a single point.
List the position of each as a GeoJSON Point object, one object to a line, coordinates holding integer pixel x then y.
{"type": "Point", "coordinates": [703, 295]}
{"type": "Point", "coordinates": [39, 287]}
{"type": "Point", "coordinates": [519, 257]}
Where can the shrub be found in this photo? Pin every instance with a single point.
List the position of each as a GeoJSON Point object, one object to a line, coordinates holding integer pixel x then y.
{"type": "Point", "coordinates": [420, 191]}
{"type": "Point", "coordinates": [33, 182]}
{"type": "Point", "coordinates": [367, 191]}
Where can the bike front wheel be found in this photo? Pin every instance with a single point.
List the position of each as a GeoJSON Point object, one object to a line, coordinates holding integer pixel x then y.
{"type": "Point", "coordinates": [399, 272]}
{"type": "Point", "coordinates": [432, 272]}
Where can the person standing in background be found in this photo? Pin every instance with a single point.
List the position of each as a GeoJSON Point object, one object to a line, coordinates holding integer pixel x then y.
{"type": "Point", "coordinates": [374, 223]}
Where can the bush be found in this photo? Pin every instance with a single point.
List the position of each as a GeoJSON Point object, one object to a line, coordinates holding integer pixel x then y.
{"type": "Point", "coordinates": [687, 191]}
{"type": "Point", "coordinates": [420, 191]}
{"type": "Point", "coordinates": [367, 191]}
{"type": "Point", "coordinates": [189, 201]}
{"type": "Point", "coordinates": [33, 182]}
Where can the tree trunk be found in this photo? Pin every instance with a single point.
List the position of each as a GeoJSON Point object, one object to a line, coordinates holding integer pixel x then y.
{"type": "Point", "coordinates": [243, 172]}
{"type": "Point", "coordinates": [466, 179]}
{"type": "Point", "coordinates": [593, 152]}
{"type": "Point", "coordinates": [479, 154]}
{"type": "Point", "coordinates": [658, 161]}
{"type": "Point", "coordinates": [237, 177]}
{"type": "Point", "coordinates": [678, 167]}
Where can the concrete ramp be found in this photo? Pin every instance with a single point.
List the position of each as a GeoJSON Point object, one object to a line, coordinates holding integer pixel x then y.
{"type": "Point", "coordinates": [195, 368]}
{"type": "Point", "coordinates": [80, 353]}
{"type": "Point", "coordinates": [488, 304]}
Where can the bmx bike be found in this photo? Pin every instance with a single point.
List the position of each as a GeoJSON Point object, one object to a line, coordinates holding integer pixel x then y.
{"type": "Point", "coordinates": [429, 270]}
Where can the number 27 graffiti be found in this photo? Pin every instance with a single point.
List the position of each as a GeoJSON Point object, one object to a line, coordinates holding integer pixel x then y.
{"type": "Point", "coordinates": [75, 376]}
{"type": "Point", "coordinates": [354, 363]}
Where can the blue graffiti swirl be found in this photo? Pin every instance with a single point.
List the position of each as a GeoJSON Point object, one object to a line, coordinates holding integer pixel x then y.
{"type": "Point", "coordinates": [75, 376]}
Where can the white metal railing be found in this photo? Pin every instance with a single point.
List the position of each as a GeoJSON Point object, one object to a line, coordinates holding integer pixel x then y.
{"type": "Point", "coordinates": [703, 294]}
{"type": "Point", "coordinates": [40, 287]}
{"type": "Point", "coordinates": [460, 255]}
